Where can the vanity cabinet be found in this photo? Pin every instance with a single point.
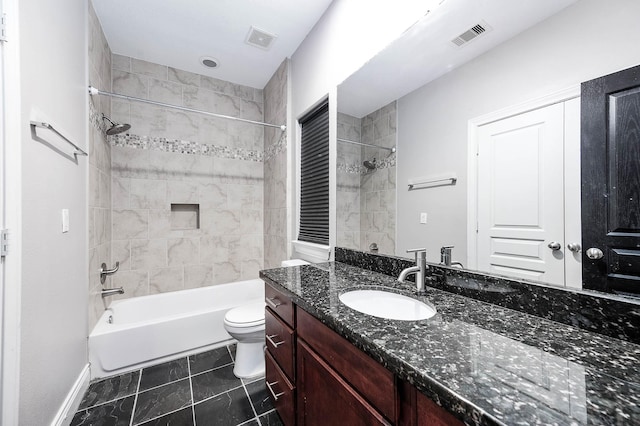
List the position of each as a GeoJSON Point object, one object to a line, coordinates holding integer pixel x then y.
{"type": "Point", "coordinates": [280, 342]}
{"type": "Point", "coordinates": [317, 377]}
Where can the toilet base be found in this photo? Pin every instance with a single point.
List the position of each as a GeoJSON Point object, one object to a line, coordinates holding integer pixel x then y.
{"type": "Point", "coordinates": [249, 360]}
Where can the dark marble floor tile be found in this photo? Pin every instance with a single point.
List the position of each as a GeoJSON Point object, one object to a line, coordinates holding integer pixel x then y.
{"type": "Point", "coordinates": [232, 349]}
{"type": "Point", "coordinates": [110, 389]}
{"type": "Point", "coordinates": [271, 419]}
{"type": "Point", "coordinates": [229, 408]}
{"type": "Point", "coordinates": [251, 423]}
{"type": "Point", "coordinates": [209, 360]}
{"type": "Point", "coordinates": [214, 382]}
{"type": "Point", "coordinates": [162, 400]}
{"type": "Point", "coordinates": [114, 413]}
{"type": "Point", "coordinates": [161, 374]}
{"type": "Point", "coordinates": [259, 396]}
{"type": "Point", "coordinates": [183, 417]}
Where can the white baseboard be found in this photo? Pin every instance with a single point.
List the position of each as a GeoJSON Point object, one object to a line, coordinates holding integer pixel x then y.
{"type": "Point", "coordinates": [73, 399]}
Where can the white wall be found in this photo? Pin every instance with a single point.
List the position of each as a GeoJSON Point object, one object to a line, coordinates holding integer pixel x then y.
{"type": "Point", "coordinates": [49, 38]}
{"type": "Point", "coordinates": [586, 40]}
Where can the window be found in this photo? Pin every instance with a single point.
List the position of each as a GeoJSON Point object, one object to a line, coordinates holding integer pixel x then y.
{"type": "Point", "coordinates": [314, 176]}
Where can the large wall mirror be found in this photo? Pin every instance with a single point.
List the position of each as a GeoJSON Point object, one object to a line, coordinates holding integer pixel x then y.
{"type": "Point", "coordinates": [406, 115]}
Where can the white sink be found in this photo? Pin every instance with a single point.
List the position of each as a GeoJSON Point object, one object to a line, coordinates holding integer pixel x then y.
{"type": "Point", "coordinates": [385, 304]}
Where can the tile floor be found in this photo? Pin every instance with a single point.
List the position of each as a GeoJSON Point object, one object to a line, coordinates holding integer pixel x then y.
{"type": "Point", "coordinates": [197, 390]}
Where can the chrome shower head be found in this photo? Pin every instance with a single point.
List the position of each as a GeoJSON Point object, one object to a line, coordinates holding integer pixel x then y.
{"type": "Point", "coordinates": [370, 165]}
{"type": "Point", "coordinates": [115, 127]}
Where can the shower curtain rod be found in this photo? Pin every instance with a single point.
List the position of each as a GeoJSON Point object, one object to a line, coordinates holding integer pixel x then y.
{"type": "Point", "coordinates": [94, 91]}
{"type": "Point", "coordinates": [367, 144]}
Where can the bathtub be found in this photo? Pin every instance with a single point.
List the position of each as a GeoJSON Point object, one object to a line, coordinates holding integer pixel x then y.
{"type": "Point", "coordinates": [142, 331]}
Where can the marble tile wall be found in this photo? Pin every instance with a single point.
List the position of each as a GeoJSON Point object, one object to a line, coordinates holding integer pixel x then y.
{"type": "Point", "coordinates": [275, 169]}
{"type": "Point", "coordinates": [174, 157]}
{"type": "Point", "coordinates": [99, 209]}
{"type": "Point", "coordinates": [349, 172]}
{"type": "Point", "coordinates": [378, 187]}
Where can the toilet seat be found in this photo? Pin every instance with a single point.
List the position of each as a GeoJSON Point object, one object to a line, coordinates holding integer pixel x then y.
{"type": "Point", "coordinates": [246, 316]}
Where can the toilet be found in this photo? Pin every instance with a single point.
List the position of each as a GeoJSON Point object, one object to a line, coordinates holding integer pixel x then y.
{"type": "Point", "coordinates": [246, 324]}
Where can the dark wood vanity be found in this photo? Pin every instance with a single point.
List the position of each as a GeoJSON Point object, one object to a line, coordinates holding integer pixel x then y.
{"type": "Point", "coordinates": [317, 377]}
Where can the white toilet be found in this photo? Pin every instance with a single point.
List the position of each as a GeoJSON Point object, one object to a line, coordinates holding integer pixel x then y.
{"type": "Point", "coordinates": [246, 324]}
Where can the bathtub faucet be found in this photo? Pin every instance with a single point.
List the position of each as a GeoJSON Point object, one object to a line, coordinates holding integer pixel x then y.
{"type": "Point", "coordinates": [111, 291]}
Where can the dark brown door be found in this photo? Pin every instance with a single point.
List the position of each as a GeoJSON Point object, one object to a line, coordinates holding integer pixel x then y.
{"type": "Point", "coordinates": [610, 160]}
{"type": "Point", "coordinates": [324, 398]}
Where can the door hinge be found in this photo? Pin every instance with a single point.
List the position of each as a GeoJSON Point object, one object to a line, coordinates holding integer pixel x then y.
{"type": "Point", "coordinates": [3, 25]}
{"type": "Point", "coordinates": [4, 242]}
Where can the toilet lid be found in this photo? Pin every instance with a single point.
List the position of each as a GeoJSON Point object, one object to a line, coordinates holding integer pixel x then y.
{"type": "Point", "coordinates": [247, 315]}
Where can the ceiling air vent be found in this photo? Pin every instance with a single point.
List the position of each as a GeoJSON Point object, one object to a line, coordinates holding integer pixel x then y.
{"type": "Point", "coordinates": [471, 34]}
{"type": "Point", "coordinates": [259, 38]}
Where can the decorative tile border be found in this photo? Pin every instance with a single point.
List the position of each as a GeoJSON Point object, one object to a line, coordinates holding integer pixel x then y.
{"type": "Point", "coordinates": [184, 147]}
{"type": "Point", "coordinates": [277, 148]}
{"type": "Point", "coordinates": [359, 169]}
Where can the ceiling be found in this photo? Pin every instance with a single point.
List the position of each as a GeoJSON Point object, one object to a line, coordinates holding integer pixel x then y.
{"type": "Point", "coordinates": [425, 51]}
{"type": "Point", "coordinates": [178, 33]}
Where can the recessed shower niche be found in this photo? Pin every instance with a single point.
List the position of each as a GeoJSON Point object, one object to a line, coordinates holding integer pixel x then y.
{"type": "Point", "coordinates": [185, 216]}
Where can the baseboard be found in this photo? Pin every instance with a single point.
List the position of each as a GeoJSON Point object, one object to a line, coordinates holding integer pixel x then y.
{"type": "Point", "coordinates": [73, 399]}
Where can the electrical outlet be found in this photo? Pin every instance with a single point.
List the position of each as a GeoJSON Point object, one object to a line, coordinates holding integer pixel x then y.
{"type": "Point", "coordinates": [423, 218]}
{"type": "Point", "coordinates": [65, 220]}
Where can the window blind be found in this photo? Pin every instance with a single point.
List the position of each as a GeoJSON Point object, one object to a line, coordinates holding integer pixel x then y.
{"type": "Point", "coordinates": [314, 176]}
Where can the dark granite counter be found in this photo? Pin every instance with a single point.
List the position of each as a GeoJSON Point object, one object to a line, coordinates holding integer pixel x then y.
{"type": "Point", "coordinates": [485, 363]}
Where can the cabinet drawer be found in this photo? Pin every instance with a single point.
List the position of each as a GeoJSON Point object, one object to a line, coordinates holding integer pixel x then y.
{"type": "Point", "coordinates": [279, 341]}
{"type": "Point", "coordinates": [280, 304]}
{"type": "Point", "coordinates": [280, 390]}
{"type": "Point", "coordinates": [370, 379]}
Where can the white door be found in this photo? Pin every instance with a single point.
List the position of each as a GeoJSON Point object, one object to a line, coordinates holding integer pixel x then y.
{"type": "Point", "coordinates": [521, 196]}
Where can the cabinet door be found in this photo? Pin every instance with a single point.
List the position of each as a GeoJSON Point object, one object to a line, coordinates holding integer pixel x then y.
{"type": "Point", "coordinates": [324, 398]}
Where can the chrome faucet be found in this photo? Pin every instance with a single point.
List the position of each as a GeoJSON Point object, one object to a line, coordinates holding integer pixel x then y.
{"type": "Point", "coordinates": [106, 292]}
{"type": "Point", "coordinates": [445, 257]}
{"type": "Point", "coordinates": [420, 269]}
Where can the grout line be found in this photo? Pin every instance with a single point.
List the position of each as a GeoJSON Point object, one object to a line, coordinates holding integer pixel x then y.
{"type": "Point", "coordinates": [135, 401]}
{"type": "Point", "coordinates": [107, 402]}
{"type": "Point", "coordinates": [162, 415]}
{"type": "Point", "coordinates": [193, 410]}
{"type": "Point", "coordinates": [213, 369]}
{"type": "Point", "coordinates": [251, 403]}
{"type": "Point", "coordinates": [230, 353]}
{"type": "Point", "coordinates": [218, 394]}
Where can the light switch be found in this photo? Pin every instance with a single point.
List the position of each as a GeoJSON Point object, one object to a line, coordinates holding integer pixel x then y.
{"type": "Point", "coordinates": [65, 220]}
{"type": "Point", "coordinates": [423, 218]}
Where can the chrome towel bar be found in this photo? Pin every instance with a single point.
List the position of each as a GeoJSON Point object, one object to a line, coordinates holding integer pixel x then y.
{"type": "Point", "coordinates": [78, 150]}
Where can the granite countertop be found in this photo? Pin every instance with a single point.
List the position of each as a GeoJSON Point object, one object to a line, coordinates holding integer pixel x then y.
{"type": "Point", "coordinates": [484, 363]}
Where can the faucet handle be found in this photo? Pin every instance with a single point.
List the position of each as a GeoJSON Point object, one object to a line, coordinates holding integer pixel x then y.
{"type": "Point", "coordinates": [417, 251]}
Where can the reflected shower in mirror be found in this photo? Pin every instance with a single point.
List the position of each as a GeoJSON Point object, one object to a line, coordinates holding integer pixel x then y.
{"type": "Point", "coordinates": [366, 181]}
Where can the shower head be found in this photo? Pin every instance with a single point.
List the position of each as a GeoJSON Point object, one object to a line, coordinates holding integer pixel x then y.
{"type": "Point", "coordinates": [370, 165]}
{"type": "Point", "coordinates": [115, 127]}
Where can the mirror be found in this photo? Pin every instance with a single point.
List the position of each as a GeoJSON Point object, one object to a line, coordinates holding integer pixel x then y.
{"type": "Point", "coordinates": [420, 93]}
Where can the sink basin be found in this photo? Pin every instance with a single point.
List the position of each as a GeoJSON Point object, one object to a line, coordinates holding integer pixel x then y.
{"type": "Point", "coordinates": [385, 304]}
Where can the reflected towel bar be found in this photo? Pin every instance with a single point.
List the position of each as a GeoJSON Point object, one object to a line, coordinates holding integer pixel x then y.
{"type": "Point", "coordinates": [429, 181]}
{"type": "Point", "coordinates": [48, 126]}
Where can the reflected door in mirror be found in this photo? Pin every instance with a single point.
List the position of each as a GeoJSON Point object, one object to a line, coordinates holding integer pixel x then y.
{"type": "Point", "coordinates": [611, 182]}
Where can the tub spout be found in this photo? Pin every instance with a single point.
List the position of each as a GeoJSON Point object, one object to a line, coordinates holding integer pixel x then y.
{"type": "Point", "coordinates": [111, 291]}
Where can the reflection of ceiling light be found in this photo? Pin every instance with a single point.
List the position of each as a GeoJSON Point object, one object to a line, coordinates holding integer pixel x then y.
{"type": "Point", "coordinates": [260, 38]}
{"type": "Point", "coordinates": [209, 62]}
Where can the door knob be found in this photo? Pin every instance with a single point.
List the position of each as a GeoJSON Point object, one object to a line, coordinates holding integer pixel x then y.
{"type": "Point", "coordinates": [554, 245]}
{"type": "Point", "coordinates": [594, 253]}
{"type": "Point", "coordinates": [574, 247]}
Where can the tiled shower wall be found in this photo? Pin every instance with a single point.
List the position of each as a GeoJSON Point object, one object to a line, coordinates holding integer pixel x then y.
{"type": "Point", "coordinates": [349, 165]}
{"type": "Point", "coordinates": [275, 169]}
{"type": "Point", "coordinates": [378, 187]}
{"type": "Point", "coordinates": [99, 222]}
{"type": "Point", "coordinates": [367, 198]}
{"type": "Point", "coordinates": [210, 167]}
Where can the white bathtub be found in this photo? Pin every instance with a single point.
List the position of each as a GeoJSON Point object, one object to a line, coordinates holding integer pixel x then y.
{"type": "Point", "coordinates": [141, 331]}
